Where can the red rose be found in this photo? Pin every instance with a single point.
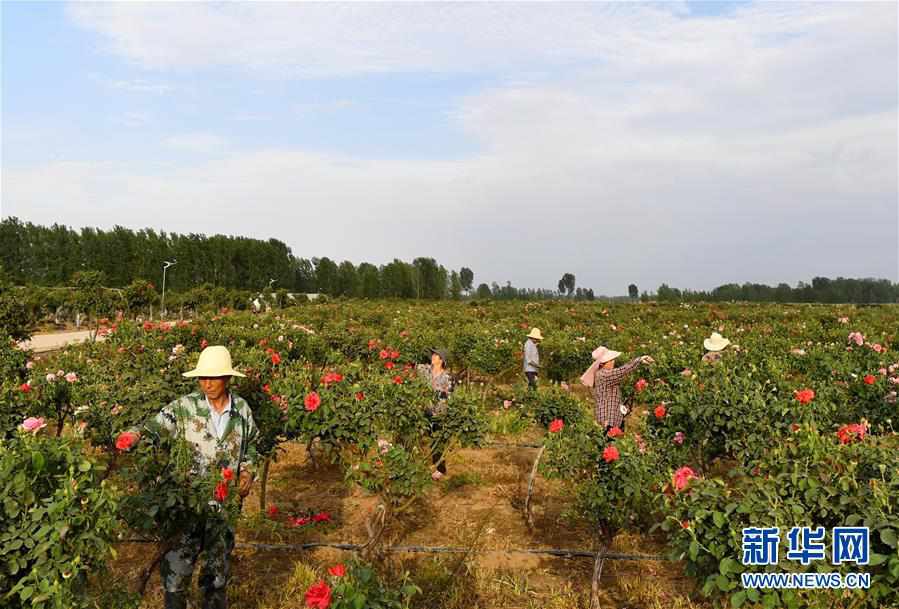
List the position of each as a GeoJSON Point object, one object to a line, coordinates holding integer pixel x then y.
{"type": "Point", "coordinates": [685, 524]}
{"type": "Point", "coordinates": [267, 389]}
{"type": "Point", "coordinates": [388, 365]}
{"type": "Point", "coordinates": [322, 517]}
{"type": "Point", "coordinates": [299, 522]}
{"type": "Point", "coordinates": [337, 570]}
{"type": "Point", "coordinates": [276, 359]}
{"type": "Point", "coordinates": [615, 432]}
{"type": "Point", "coordinates": [640, 385]}
{"type": "Point", "coordinates": [272, 511]}
{"type": "Point", "coordinates": [804, 396]}
{"type": "Point", "coordinates": [384, 354]}
{"type": "Point", "coordinates": [227, 473]}
{"type": "Point", "coordinates": [312, 401]}
{"type": "Point", "coordinates": [221, 491]}
{"type": "Point", "coordinates": [263, 342]}
{"type": "Point", "coordinates": [397, 380]}
{"type": "Point", "coordinates": [610, 454]}
{"type": "Point", "coordinates": [394, 354]}
{"type": "Point", "coordinates": [870, 379]}
{"type": "Point", "coordinates": [125, 440]}
{"type": "Point", "coordinates": [556, 426]}
{"type": "Point", "coordinates": [25, 387]}
{"type": "Point", "coordinates": [660, 411]}
{"type": "Point", "coordinates": [682, 476]}
{"type": "Point", "coordinates": [360, 396]}
{"type": "Point", "coordinates": [318, 596]}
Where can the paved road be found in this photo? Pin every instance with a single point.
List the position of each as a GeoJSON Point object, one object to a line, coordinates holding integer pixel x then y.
{"type": "Point", "coordinates": [55, 340]}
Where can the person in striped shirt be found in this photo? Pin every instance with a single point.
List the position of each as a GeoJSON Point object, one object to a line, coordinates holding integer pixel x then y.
{"type": "Point", "coordinates": [606, 379]}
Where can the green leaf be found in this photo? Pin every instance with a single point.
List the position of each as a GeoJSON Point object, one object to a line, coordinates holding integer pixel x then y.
{"type": "Point", "coordinates": [38, 461]}
{"type": "Point", "coordinates": [84, 466]}
{"type": "Point", "coordinates": [888, 536]}
{"type": "Point", "coordinates": [737, 599]}
{"type": "Point", "coordinates": [694, 549]}
{"type": "Point", "coordinates": [719, 519]}
{"type": "Point", "coordinates": [877, 559]}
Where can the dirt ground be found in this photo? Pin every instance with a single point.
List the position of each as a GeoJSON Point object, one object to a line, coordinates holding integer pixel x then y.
{"type": "Point", "coordinates": [479, 505]}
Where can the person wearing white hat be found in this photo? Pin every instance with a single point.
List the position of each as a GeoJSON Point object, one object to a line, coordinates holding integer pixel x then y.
{"type": "Point", "coordinates": [219, 424]}
{"type": "Point", "coordinates": [532, 357]}
{"type": "Point", "coordinates": [714, 346]}
{"type": "Point", "coordinates": [605, 379]}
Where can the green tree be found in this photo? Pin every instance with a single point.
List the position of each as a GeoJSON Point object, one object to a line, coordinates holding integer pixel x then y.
{"type": "Point", "coordinates": [326, 276]}
{"type": "Point", "coordinates": [566, 284]}
{"type": "Point", "coordinates": [632, 291]}
{"type": "Point", "coordinates": [466, 276]}
{"type": "Point", "coordinates": [369, 280]}
{"type": "Point", "coordinates": [455, 286]}
{"type": "Point", "coordinates": [483, 292]}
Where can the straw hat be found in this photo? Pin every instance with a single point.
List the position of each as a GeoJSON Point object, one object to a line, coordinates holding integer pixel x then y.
{"type": "Point", "coordinates": [535, 333]}
{"type": "Point", "coordinates": [442, 353]}
{"type": "Point", "coordinates": [715, 342]}
{"type": "Point", "coordinates": [214, 361]}
{"type": "Point", "coordinates": [604, 354]}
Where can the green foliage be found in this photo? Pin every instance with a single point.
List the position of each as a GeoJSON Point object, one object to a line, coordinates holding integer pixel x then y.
{"type": "Point", "coordinates": [806, 480]}
{"type": "Point", "coordinates": [361, 588]}
{"type": "Point", "coordinates": [551, 402]}
{"type": "Point", "coordinates": [169, 491]}
{"type": "Point", "coordinates": [58, 522]}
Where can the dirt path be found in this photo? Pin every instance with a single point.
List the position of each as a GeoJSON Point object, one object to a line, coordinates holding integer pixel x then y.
{"type": "Point", "coordinates": [40, 343]}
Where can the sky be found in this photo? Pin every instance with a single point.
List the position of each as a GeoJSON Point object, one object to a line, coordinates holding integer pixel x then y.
{"type": "Point", "coordinates": [691, 143]}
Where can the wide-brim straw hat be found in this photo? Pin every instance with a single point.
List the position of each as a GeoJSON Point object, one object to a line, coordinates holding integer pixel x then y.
{"type": "Point", "coordinates": [715, 342]}
{"type": "Point", "coordinates": [214, 361]}
{"type": "Point", "coordinates": [535, 333]}
{"type": "Point", "coordinates": [604, 354]}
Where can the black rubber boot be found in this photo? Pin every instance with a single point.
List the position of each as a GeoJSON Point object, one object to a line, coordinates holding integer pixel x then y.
{"type": "Point", "coordinates": [215, 598]}
{"type": "Point", "coordinates": [175, 600]}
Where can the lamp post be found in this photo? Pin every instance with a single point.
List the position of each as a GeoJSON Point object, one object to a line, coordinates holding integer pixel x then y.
{"type": "Point", "coordinates": [165, 266]}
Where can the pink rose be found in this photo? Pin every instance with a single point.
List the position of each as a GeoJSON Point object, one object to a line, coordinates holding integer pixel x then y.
{"type": "Point", "coordinates": [678, 438]}
{"type": "Point", "coordinates": [682, 477]}
{"type": "Point", "coordinates": [51, 377]}
{"type": "Point", "coordinates": [33, 424]}
{"type": "Point", "coordinates": [71, 377]}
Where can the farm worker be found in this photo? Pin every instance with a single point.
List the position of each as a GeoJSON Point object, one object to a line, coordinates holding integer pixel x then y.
{"type": "Point", "coordinates": [439, 379]}
{"type": "Point", "coordinates": [220, 425]}
{"type": "Point", "coordinates": [605, 379]}
{"type": "Point", "coordinates": [532, 357]}
{"type": "Point", "coordinates": [714, 345]}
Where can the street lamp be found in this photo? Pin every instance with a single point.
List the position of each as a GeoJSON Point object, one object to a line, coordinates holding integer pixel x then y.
{"type": "Point", "coordinates": [165, 266]}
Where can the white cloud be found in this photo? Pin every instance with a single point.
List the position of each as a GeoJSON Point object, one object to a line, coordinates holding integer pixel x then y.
{"type": "Point", "coordinates": [201, 143]}
{"type": "Point", "coordinates": [138, 85]}
{"type": "Point", "coordinates": [758, 146]}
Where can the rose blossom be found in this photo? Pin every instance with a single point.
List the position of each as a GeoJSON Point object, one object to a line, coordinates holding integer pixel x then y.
{"type": "Point", "coordinates": [71, 377]}
{"type": "Point", "coordinates": [221, 491]}
{"type": "Point", "coordinates": [33, 424]}
{"type": "Point", "coordinates": [678, 438]}
{"type": "Point", "coordinates": [804, 396]}
{"type": "Point", "coordinates": [337, 570]}
{"type": "Point", "coordinates": [640, 385]}
{"type": "Point", "coordinates": [312, 402]}
{"type": "Point", "coordinates": [682, 476]}
{"type": "Point", "coordinates": [318, 596]}
{"type": "Point", "coordinates": [610, 454]}
{"type": "Point", "coordinates": [125, 440]}
{"type": "Point", "coordinates": [51, 378]}
{"type": "Point", "coordinates": [660, 411]}
{"type": "Point", "coordinates": [615, 432]}
{"type": "Point", "coordinates": [556, 426]}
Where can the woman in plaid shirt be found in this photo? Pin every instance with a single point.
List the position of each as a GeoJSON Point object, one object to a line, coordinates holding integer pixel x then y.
{"type": "Point", "coordinates": [606, 379]}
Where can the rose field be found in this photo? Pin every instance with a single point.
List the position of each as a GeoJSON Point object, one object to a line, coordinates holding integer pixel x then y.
{"type": "Point", "coordinates": [794, 426]}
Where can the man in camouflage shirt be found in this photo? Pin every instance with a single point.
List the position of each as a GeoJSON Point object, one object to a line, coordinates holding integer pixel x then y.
{"type": "Point", "coordinates": [220, 427]}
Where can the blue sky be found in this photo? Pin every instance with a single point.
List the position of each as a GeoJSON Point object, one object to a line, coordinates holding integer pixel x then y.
{"type": "Point", "coordinates": [519, 140]}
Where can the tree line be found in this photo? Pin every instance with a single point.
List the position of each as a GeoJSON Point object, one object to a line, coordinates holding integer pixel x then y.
{"type": "Point", "coordinates": [821, 289]}
{"type": "Point", "coordinates": [32, 254]}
